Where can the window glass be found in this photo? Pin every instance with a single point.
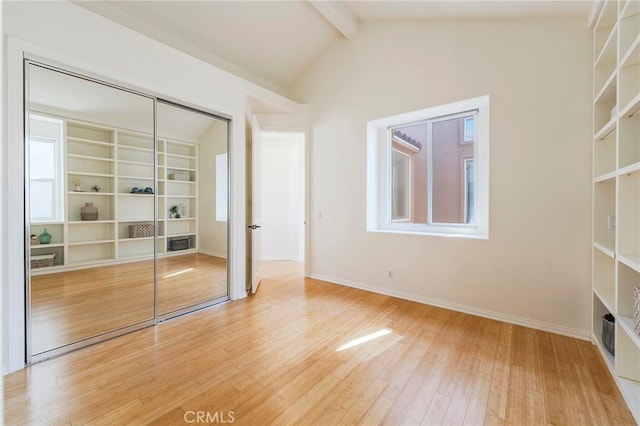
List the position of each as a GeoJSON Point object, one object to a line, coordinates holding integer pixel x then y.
{"type": "Point", "coordinates": [42, 195]}
{"type": "Point", "coordinates": [428, 171]}
{"type": "Point", "coordinates": [470, 195]}
{"type": "Point", "coordinates": [46, 189]}
{"type": "Point", "coordinates": [430, 174]}
{"type": "Point", "coordinates": [449, 199]}
{"type": "Point", "coordinates": [469, 129]}
{"type": "Point", "coordinates": [221, 187]}
{"type": "Point", "coordinates": [42, 159]}
{"type": "Point", "coordinates": [401, 195]}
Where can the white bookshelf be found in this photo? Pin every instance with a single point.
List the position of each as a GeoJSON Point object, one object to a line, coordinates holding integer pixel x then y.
{"type": "Point", "coordinates": [178, 186]}
{"type": "Point", "coordinates": [616, 188]}
{"type": "Point", "coordinates": [119, 160]}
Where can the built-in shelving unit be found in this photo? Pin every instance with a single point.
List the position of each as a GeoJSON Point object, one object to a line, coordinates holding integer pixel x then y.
{"type": "Point", "coordinates": [122, 164]}
{"type": "Point", "coordinates": [177, 174]}
{"type": "Point", "coordinates": [616, 188]}
{"type": "Point", "coordinates": [136, 170]}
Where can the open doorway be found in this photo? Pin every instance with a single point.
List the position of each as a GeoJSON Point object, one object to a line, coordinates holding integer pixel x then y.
{"type": "Point", "coordinates": [283, 195]}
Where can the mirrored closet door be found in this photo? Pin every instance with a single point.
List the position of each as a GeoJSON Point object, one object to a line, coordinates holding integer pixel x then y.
{"type": "Point", "coordinates": [91, 186]}
{"type": "Point", "coordinates": [126, 210]}
{"type": "Point", "coordinates": [192, 209]}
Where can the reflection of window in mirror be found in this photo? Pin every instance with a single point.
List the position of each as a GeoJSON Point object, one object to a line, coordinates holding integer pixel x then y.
{"type": "Point", "coordinates": [46, 169]}
{"type": "Point", "coordinates": [221, 187]}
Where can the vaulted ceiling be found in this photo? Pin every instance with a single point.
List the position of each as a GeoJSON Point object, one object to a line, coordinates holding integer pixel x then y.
{"type": "Point", "coordinates": [272, 42]}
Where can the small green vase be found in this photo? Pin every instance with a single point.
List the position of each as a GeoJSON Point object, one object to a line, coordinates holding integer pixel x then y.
{"type": "Point", "coordinates": [45, 237]}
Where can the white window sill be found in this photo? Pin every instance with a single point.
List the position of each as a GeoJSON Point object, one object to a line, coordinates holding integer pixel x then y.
{"type": "Point", "coordinates": [431, 234]}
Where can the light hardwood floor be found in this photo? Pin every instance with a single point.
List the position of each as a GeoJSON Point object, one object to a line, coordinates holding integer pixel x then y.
{"type": "Point", "coordinates": [70, 306]}
{"type": "Point", "coordinates": [186, 280]}
{"type": "Point", "coordinates": [283, 357]}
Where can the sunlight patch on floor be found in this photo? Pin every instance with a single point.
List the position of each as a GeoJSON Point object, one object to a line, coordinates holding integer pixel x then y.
{"type": "Point", "coordinates": [184, 271]}
{"type": "Point", "coordinates": [364, 339]}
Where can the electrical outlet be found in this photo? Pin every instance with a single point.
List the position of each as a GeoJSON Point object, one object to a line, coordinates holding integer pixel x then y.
{"type": "Point", "coordinates": [611, 223]}
{"type": "Point", "coordinates": [389, 273]}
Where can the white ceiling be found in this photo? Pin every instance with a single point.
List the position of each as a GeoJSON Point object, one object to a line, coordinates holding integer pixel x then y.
{"type": "Point", "coordinates": [466, 9]}
{"type": "Point", "coordinates": [272, 42]}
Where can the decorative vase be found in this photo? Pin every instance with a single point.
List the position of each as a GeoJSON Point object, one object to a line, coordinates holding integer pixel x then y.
{"type": "Point", "coordinates": [45, 237]}
{"type": "Point", "coordinates": [89, 212]}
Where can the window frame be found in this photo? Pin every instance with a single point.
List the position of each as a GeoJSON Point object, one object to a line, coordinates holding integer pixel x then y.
{"type": "Point", "coordinates": [465, 179]}
{"type": "Point", "coordinates": [58, 181]}
{"type": "Point", "coordinates": [379, 148]}
{"type": "Point", "coordinates": [466, 138]}
{"type": "Point", "coordinates": [430, 192]}
{"type": "Point", "coordinates": [408, 205]}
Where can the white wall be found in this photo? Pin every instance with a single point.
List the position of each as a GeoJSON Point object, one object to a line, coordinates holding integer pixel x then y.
{"type": "Point", "coordinates": [63, 33]}
{"type": "Point", "coordinates": [3, 234]}
{"type": "Point", "coordinates": [535, 267]}
{"type": "Point", "coordinates": [282, 201]}
{"type": "Point", "coordinates": [212, 234]}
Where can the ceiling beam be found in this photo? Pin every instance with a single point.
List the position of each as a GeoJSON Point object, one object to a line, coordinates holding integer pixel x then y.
{"type": "Point", "coordinates": [338, 15]}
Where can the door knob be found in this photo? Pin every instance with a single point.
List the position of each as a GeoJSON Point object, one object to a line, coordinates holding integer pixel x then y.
{"type": "Point", "coordinates": [254, 227]}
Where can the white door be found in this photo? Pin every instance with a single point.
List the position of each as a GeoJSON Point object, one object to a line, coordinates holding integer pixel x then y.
{"type": "Point", "coordinates": [256, 200]}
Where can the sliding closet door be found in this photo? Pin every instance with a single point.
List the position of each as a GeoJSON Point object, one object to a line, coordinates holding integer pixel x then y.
{"type": "Point", "coordinates": [192, 209]}
{"type": "Point", "coordinates": [90, 180]}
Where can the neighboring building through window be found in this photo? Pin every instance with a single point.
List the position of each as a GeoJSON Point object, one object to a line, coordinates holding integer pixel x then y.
{"type": "Point", "coordinates": [46, 166]}
{"type": "Point", "coordinates": [428, 171]}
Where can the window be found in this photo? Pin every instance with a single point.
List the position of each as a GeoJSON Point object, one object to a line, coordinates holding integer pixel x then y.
{"type": "Point", "coordinates": [401, 193]}
{"type": "Point", "coordinates": [221, 187]}
{"type": "Point", "coordinates": [428, 171]}
{"type": "Point", "coordinates": [469, 129]}
{"type": "Point", "coordinates": [46, 189]}
{"type": "Point", "coordinates": [469, 178]}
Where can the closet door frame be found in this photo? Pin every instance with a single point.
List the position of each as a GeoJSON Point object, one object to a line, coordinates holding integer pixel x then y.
{"type": "Point", "coordinates": [157, 318]}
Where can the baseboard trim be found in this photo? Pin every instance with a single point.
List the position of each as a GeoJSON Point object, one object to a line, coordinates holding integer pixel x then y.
{"type": "Point", "coordinates": [208, 253]}
{"type": "Point", "coordinates": [472, 310]}
{"type": "Point", "coordinates": [280, 259]}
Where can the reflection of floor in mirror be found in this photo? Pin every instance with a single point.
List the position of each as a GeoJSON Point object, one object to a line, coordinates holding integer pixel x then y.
{"type": "Point", "coordinates": [190, 279]}
{"type": "Point", "coordinates": [70, 306]}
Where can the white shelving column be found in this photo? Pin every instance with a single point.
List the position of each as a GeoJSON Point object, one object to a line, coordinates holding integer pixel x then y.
{"type": "Point", "coordinates": [135, 170]}
{"type": "Point", "coordinates": [162, 207]}
{"type": "Point", "coordinates": [616, 188]}
{"type": "Point", "coordinates": [90, 160]}
{"type": "Point", "coordinates": [181, 189]}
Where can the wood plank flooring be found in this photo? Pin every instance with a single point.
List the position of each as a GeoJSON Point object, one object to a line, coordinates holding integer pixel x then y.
{"type": "Point", "coordinates": [70, 306]}
{"type": "Point", "coordinates": [303, 351]}
{"type": "Point", "coordinates": [189, 279]}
